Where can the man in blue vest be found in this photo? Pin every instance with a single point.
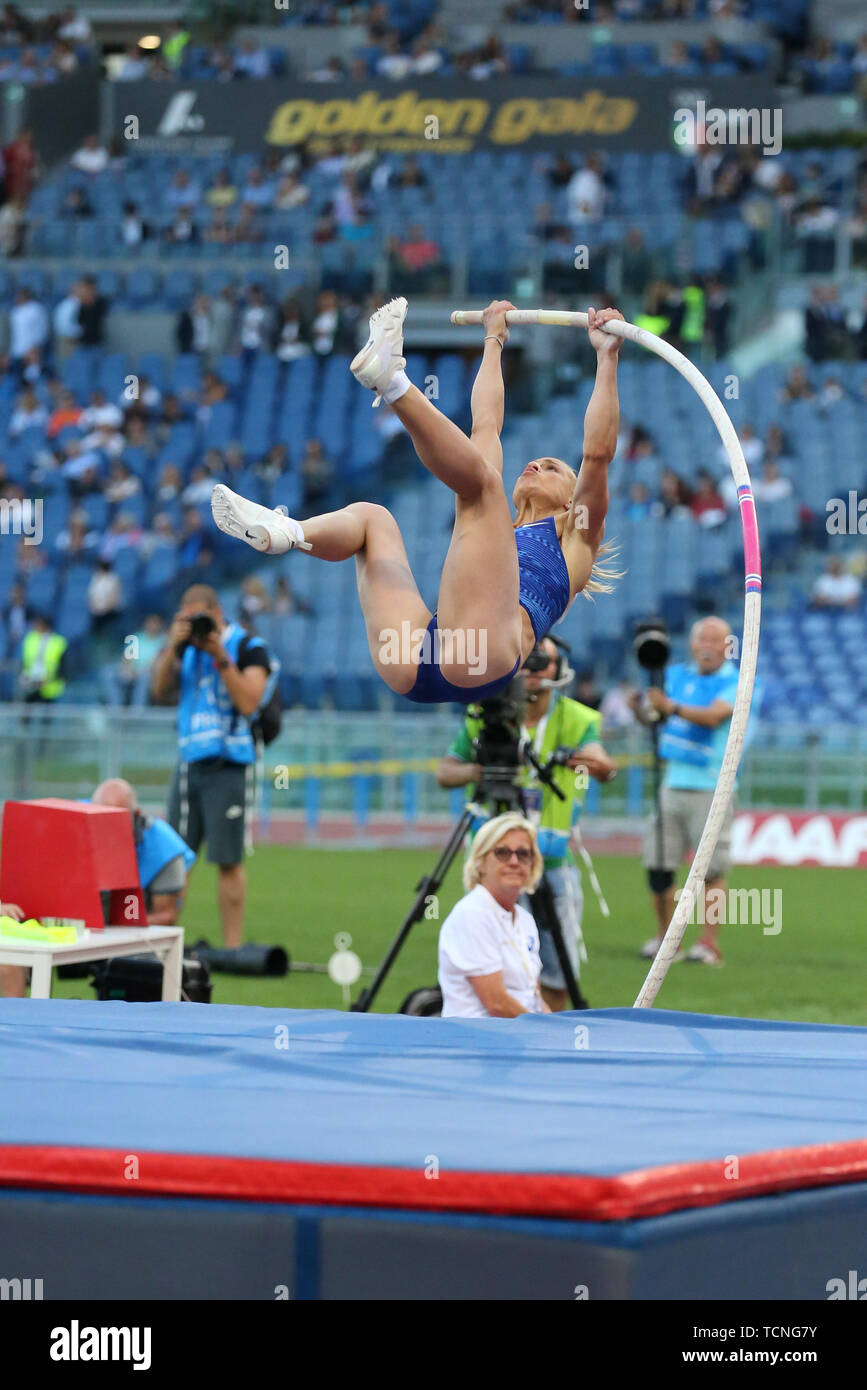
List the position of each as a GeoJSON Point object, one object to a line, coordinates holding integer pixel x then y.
{"type": "Point", "coordinates": [219, 674]}
{"type": "Point", "coordinates": [697, 705]}
{"type": "Point", "coordinates": [163, 858]}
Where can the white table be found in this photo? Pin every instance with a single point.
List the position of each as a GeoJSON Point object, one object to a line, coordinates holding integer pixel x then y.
{"type": "Point", "coordinates": [165, 942]}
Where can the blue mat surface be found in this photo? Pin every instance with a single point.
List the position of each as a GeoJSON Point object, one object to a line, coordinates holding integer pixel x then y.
{"type": "Point", "coordinates": [628, 1090]}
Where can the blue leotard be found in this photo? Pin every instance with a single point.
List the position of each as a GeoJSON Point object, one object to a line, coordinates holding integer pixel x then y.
{"type": "Point", "coordinates": [545, 590]}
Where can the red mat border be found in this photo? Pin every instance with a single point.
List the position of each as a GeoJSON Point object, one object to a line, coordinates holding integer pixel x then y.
{"type": "Point", "coordinates": [642, 1193]}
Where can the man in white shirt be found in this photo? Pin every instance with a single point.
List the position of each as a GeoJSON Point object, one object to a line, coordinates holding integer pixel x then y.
{"type": "Point", "coordinates": [90, 157]}
{"type": "Point", "coordinates": [67, 329]}
{"type": "Point", "coordinates": [835, 588]}
{"type": "Point", "coordinates": [585, 193]}
{"type": "Point", "coordinates": [489, 964]}
{"type": "Point", "coordinates": [28, 326]}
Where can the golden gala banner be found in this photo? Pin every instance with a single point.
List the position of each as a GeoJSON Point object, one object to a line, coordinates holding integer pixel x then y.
{"type": "Point", "coordinates": [440, 116]}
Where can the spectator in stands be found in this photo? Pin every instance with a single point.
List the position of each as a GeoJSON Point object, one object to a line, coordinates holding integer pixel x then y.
{"type": "Point", "coordinates": [816, 227]}
{"type": "Point", "coordinates": [332, 71]}
{"type": "Point", "coordinates": [161, 535]}
{"type": "Point", "coordinates": [291, 340]}
{"type": "Point", "coordinates": [797, 386]}
{"type": "Point", "coordinates": [392, 62]}
{"type": "Point", "coordinates": [254, 601]}
{"type": "Point", "coordinates": [66, 413]}
{"type": "Point", "coordinates": [122, 483]}
{"type": "Point", "coordinates": [707, 506]}
{"type": "Point", "coordinates": [718, 313]}
{"type": "Point", "coordinates": [91, 157]}
{"type": "Point", "coordinates": [213, 392]}
{"type": "Point", "coordinates": [197, 492]}
{"type": "Point", "coordinates": [124, 533]}
{"type": "Point", "coordinates": [15, 616]}
{"type": "Point", "coordinates": [248, 230]}
{"type": "Point", "coordinates": [127, 683]}
{"type": "Point", "coordinates": [561, 172]}
{"type": "Point", "coordinates": [825, 330]}
{"type": "Point", "coordinates": [195, 327]}
{"type": "Point", "coordinates": [145, 403]}
{"type": "Point", "coordinates": [92, 314]}
{"type": "Point", "coordinates": [101, 413]}
{"type": "Point", "coordinates": [30, 413]}
{"type": "Point", "coordinates": [638, 506]}
{"type": "Point", "coordinates": [133, 230]}
{"type": "Point", "coordinates": [134, 66]}
{"type": "Point", "coordinates": [348, 202]}
{"type": "Point", "coordinates": [835, 588]}
{"type": "Point", "coordinates": [183, 230]}
{"type": "Point", "coordinates": [772, 486]}
{"type": "Point", "coordinates": [291, 193]}
{"type": "Point", "coordinates": [586, 192]}
{"type": "Point", "coordinates": [222, 192]}
{"type": "Point", "coordinates": [674, 495]}
{"type": "Point", "coordinates": [78, 541]}
{"type": "Point", "coordinates": [491, 60]}
{"type": "Point", "coordinates": [22, 165]}
{"type": "Point", "coordinates": [76, 204]}
{"type": "Point", "coordinates": [317, 472]}
{"type": "Point", "coordinates": [286, 601]}
{"type": "Point", "coordinates": [252, 60]}
{"type": "Point", "coordinates": [417, 261]}
{"type": "Point", "coordinates": [28, 327]}
{"type": "Point", "coordinates": [174, 44]}
{"type": "Point", "coordinates": [327, 325]}
{"type": "Point", "coordinates": [256, 325]}
{"type": "Point", "coordinates": [182, 192]}
{"type": "Point", "coordinates": [325, 227]}
{"type": "Point", "coordinates": [636, 262]}
{"type": "Point", "coordinates": [426, 57]}
{"type": "Point", "coordinates": [13, 227]}
{"type": "Point", "coordinates": [195, 552]}
{"type": "Point", "coordinates": [223, 313]}
{"type": "Point", "coordinates": [220, 231]}
{"type": "Point", "coordinates": [67, 324]}
{"type": "Point", "coordinates": [412, 175]}
{"type": "Point", "coordinates": [258, 192]}
{"type": "Point", "coordinates": [42, 676]}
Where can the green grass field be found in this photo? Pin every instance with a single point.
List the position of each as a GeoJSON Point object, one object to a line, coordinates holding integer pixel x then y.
{"type": "Point", "coordinates": [812, 970]}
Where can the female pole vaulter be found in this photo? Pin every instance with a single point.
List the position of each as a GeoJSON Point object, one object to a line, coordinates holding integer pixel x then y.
{"type": "Point", "coordinates": [504, 581]}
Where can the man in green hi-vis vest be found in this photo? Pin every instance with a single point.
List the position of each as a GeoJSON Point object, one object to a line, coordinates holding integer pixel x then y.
{"type": "Point", "coordinates": [551, 721]}
{"type": "Point", "coordinates": [42, 660]}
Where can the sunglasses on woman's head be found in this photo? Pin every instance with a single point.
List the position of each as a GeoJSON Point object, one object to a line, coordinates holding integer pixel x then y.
{"type": "Point", "coordinates": [504, 855]}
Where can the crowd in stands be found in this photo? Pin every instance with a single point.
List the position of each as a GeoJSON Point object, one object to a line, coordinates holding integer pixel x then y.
{"type": "Point", "coordinates": [36, 49]}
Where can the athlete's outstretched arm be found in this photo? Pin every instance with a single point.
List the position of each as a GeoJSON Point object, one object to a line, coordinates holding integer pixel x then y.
{"type": "Point", "coordinates": [488, 399]}
{"type": "Point", "coordinates": [601, 425]}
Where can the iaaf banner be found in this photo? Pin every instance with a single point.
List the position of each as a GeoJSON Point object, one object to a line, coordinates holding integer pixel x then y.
{"type": "Point", "coordinates": [442, 116]}
{"type": "Point", "coordinates": [779, 837]}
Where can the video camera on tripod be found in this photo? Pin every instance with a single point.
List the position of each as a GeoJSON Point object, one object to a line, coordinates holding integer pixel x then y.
{"type": "Point", "coordinates": [502, 751]}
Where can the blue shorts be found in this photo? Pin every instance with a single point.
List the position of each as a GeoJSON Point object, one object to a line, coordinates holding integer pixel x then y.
{"type": "Point", "coordinates": [432, 688]}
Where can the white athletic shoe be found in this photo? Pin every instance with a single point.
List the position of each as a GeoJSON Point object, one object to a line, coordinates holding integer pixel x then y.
{"type": "Point", "coordinates": [650, 948]}
{"type": "Point", "coordinates": [382, 354]}
{"type": "Point", "coordinates": [271, 532]}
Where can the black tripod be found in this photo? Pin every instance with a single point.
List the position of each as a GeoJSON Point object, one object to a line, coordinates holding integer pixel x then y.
{"type": "Point", "coordinates": [497, 788]}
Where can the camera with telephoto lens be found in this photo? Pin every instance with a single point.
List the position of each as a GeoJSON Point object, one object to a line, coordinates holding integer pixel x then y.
{"type": "Point", "coordinates": [651, 645]}
{"type": "Point", "coordinates": [201, 627]}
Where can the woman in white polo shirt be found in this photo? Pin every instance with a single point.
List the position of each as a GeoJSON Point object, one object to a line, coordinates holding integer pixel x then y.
{"type": "Point", "coordinates": [489, 962]}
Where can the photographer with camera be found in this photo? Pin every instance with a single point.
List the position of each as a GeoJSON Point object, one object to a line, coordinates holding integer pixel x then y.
{"type": "Point", "coordinates": [219, 674]}
{"type": "Point", "coordinates": [696, 705]}
{"type": "Point", "coordinates": [551, 723]}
